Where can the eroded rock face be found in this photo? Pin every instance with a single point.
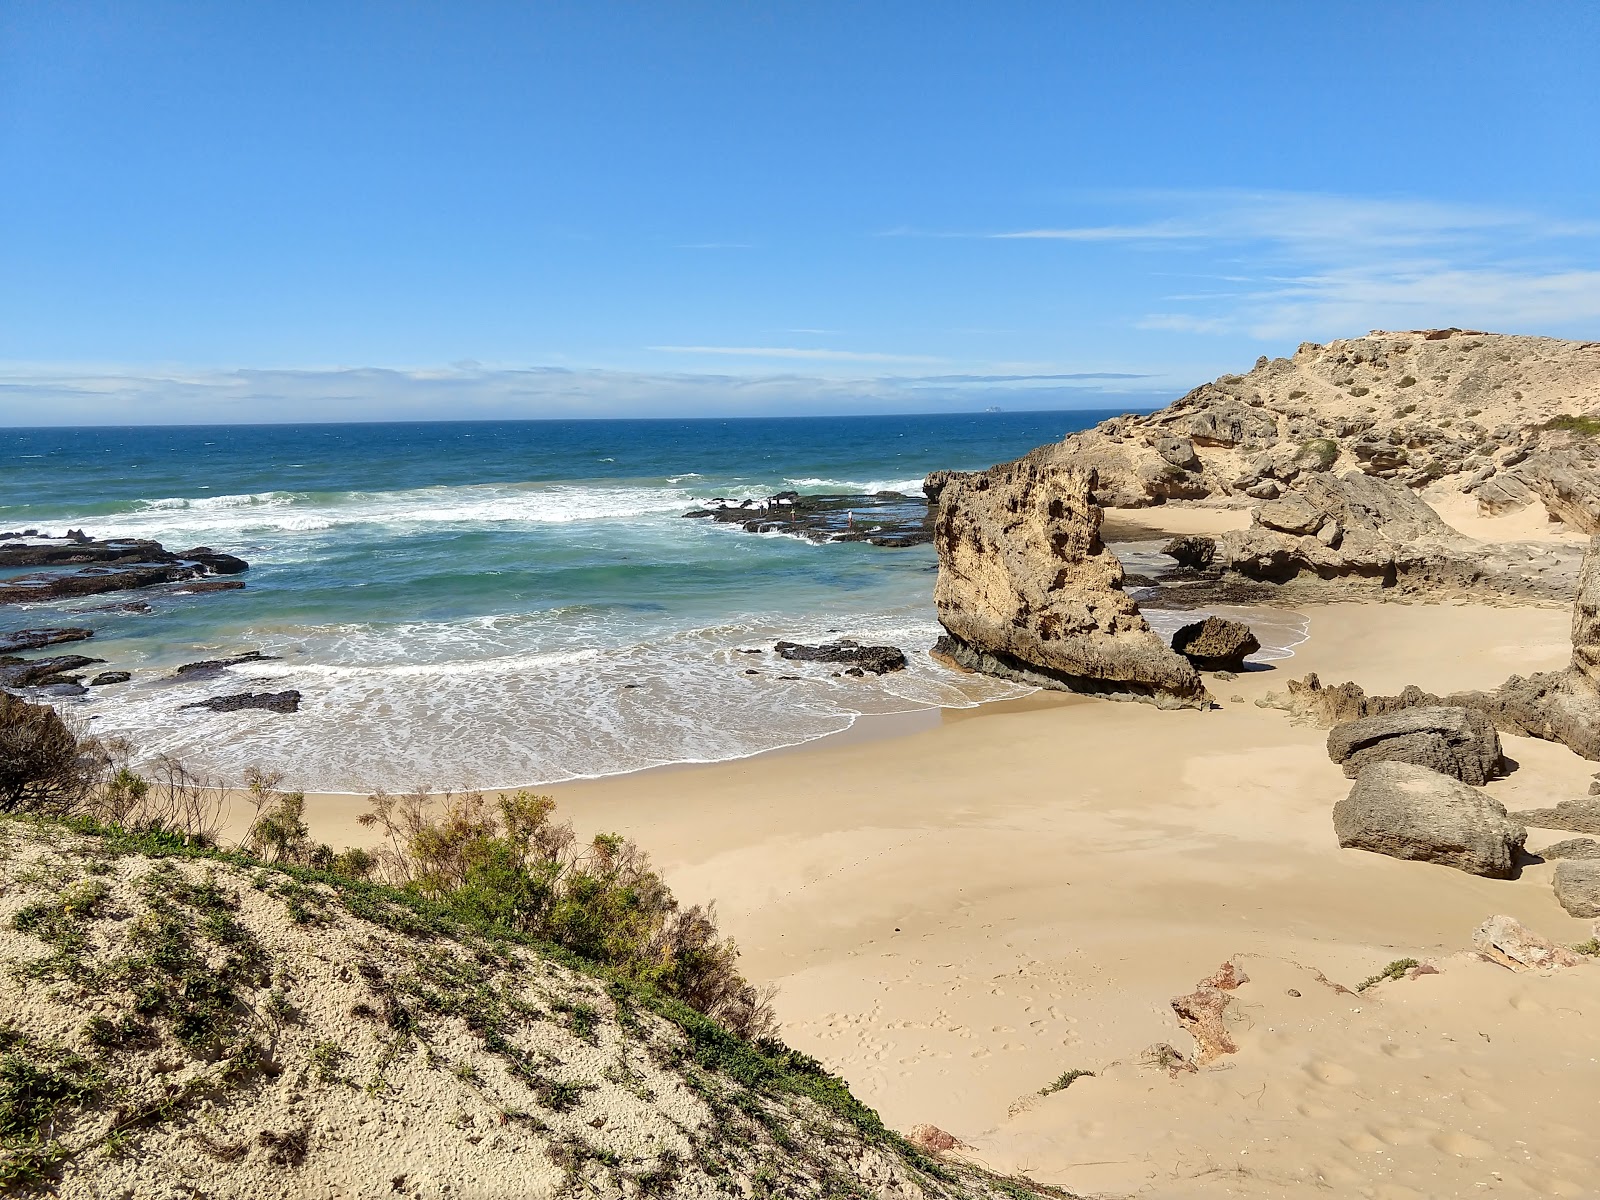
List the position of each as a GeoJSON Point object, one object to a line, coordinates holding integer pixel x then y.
{"type": "Point", "coordinates": [34, 639]}
{"type": "Point", "coordinates": [1406, 811]}
{"type": "Point", "coordinates": [1453, 741]}
{"type": "Point", "coordinates": [1577, 887]}
{"type": "Point", "coordinates": [1027, 590]}
{"type": "Point", "coordinates": [1512, 944]}
{"type": "Point", "coordinates": [279, 702]}
{"type": "Point", "coordinates": [1216, 644]}
{"type": "Point", "coordinates": [1570, 848]}
{"type": "Point", "coordinates": [1574, 816]}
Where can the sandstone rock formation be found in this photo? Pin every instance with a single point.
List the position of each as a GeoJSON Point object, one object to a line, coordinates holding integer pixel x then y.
{"type": "Point", "coordinates": [1457, 742]}
{"type": "Point", "coordinates": [1570, 848]}
{"type": "Point", "coordinates": [1216, 644]}
{"type": "Point", "coordinates": [1575, 816]}
{"type": "Point", "coordinates": [1201, 1013]}
{"type": "Point", "coordinates": [1512, 944]}
{"type": "Point", "coordinates": [1577, 887]}
{"type": "Point", "coordinates": [1026, 589]}
{"type": "Point", "coordinates": [1410, 812]}
{"type": "Point", "coordinates": [1557, 706]}
{"type": "Point", "coordinates": [1490, 414]}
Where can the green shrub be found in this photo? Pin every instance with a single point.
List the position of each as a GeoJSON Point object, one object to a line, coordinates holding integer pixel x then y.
{"type": "Point", "coordinates": [1393, 971]}
{"type": "Point", "coordinates": [1064, 1080]}
{"type": "Point", "coordinates": [1317, 454]}
{"type": "Point", "coordinates": [44, 767]}
{"type": "Point", "coordinates": [1585, 425]}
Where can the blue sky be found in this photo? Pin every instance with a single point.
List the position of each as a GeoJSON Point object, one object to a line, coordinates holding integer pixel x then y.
{"type": "Point", "coordinates": [295, 211]}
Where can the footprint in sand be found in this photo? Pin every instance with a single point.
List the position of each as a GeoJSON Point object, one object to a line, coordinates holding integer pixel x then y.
{"type": "Point", "coordinates": [1331, 1073]}
{"type": "Point", "coordinates": [1364, 1142]}
{"type": "Point", "coordinates": [1401, 1050]}
{"type": "Point", "coordinates": [1462, 1145]}
{"type": "Point", "coordinates": [1481, 1101]}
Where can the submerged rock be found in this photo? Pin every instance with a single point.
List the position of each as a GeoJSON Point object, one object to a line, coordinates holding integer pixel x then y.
{"type": "Point", "coordinates": [103, 566]}
{"type": "Point", "coordinates": [1453, 741]}
{"type": "Point", "coordinates": [879, 660]}
{"type": "Point", "coordinates": [1027, 590]}
{"type": "Point", "coordinates": [1216, 644]}
{"type": "Point", "coordinates": [105, 677]}
{"type": "Point", "coordinates": [43, 672]}
{"type": "Point", "coordinates": [281, 702]}
{"type": "Point", "coordinates": [1410, 812]}
{"type": "Point", "coordinates": [207, 668]}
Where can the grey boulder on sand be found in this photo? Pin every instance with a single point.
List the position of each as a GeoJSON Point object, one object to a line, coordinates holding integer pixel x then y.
{"type": "Point", "coordinates": [1216, 644]}
{"type": "Point", "coordinates": [1577, 885]}
{"type": "Point", "coordinates": [1571, 848]}
{"type": "Point", "coordinates": [1454, 741]}
{"type": "Point", "coordinates": [1406, 811]}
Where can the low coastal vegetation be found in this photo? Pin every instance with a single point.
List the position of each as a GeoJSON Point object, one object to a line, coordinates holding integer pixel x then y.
{"type": "Point", "coordinates": [1065, 1080]}
{"type": "Point", "coordinates": [1394, 970]}
{"type": "Point", "coordinates": [482, 986]}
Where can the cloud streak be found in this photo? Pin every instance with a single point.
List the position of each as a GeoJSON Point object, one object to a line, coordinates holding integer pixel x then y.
{"type": "Point", "coordinates": [810, 353]}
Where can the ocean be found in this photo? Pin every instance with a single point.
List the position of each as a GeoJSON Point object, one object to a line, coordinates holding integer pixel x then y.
{"type": "Point", "coordinates": [481, 604]}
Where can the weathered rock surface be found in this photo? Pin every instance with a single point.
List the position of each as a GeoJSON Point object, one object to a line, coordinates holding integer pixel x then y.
{"type": "Point", "coordinates": [281, 702]}
{"type": "Point", "coordinates": [1200, 1013]}
{"type": "Point", "coordinates": [1575, 816]}
{"type": "Point", "coordinates": [1216, 644]}
{"type": "Point", "coordinates": [876, 660]}
{"type": "Point", "coordinates": [1577, 887]}
{"type": "Point", "coordinates": [108, 566]}
{"type": "Point", "coordinates": [105, 677]}
{"type": "Point", "coordinates": [1027, 590]}
{"type": "Point", "coordinates": [880, 518]}
{"type": "Point", "coordinates": [35, 639]}
{"type": "Point", "coordinates": [1453, 741]}
{"type": "Point", "coordinates": [1486, 413]}
{"type": "Point", "coordinates": [1410, 812]}
{"type": "Point", "coordinates": [211, 667]}
{"type": "Point", "coordinates": [1571, 848]}
{"type": "Point", "coordinates": [1512, 944]}
{"type": "Point", "coordinates": [43, 672]}
{"type": "Point", "coordinates": [1191, 553]}
{"type": "Point", "coordinates": [1557, 706]}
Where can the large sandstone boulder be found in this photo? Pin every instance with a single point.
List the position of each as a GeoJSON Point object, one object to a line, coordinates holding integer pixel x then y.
{"type": "Point", "coordinates": [1407, 811]}
{"type": "Point", "coordinates": [1570, 848]}
{"type": "Point", "coordinates": [1453, 741]}
{"type": "Point", "coordinates": [1577, 887]}
{"type": "Point", "coordinates": [1216, 644]}
{"type": "Point", "coordinates": [1027, 590]}
{"type": "Point", "coordinates": [1575, 816]}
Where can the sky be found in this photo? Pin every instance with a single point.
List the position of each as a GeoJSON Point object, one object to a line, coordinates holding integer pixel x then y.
{"type": "Point", "coordinates": [304, 211]}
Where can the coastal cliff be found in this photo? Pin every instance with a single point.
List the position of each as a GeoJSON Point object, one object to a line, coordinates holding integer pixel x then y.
{"type": "Point", "coordinates": [1028, 591]}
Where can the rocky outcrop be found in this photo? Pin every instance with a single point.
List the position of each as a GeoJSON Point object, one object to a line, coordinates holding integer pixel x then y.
{"type": "Point", "coordinates": [103, 566]}
{"type": "Point", "coordinates": [1453, 741]}
{"type": "Point", "coordinates": [279, 702]}
{"type": "Point", "coordinates": [1571, 848]}
{"type": "Point", "coordinates": [1216, 644]}
{"type": "Point", "coordinates": [106, 677]}
{"type": "Point", "coordinates": [878, 518]}
{"type": "Point", "coordinates": [1027, 590]}
{"type": "Point", "coordinates": [43, 672]}
{"type": "Point", "coordinates": [1556, 706]}
{"type": "Point", "coordinates": [1577, 887]}
{"type": "Point", "coordinates": [1507, 941]}
{"type": "Point", "coordinates": [1487, 413]}
{"type": "Point", "coordinates": [873, 660]}
{"type": "Point", "coordinates": [1410, 812]}
{"type": "Point", "coordinates": [35, 639]}
{"type": "Point", "coordinates": [210, 668]}
{"type": "Point", "coordinates": [1192, 553]}
{"type": "Point", "coordinates": [1574, 816]}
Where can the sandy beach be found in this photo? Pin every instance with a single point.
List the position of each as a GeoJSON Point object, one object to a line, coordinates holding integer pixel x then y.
{"type": "Point", "coordinates": [956, 914]}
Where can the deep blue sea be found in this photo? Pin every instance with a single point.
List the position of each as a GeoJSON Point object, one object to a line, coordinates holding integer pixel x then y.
{"type": "Point", "coordinates": [462, 603]}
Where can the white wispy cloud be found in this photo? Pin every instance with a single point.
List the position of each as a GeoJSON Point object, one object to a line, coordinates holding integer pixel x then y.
{"type": "Point", "coordinates": [812, 353]}
{"type": "Point", "coordinates": [1302, 265]}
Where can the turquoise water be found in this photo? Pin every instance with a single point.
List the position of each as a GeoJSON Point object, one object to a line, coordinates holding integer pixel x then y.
{"type": "Point", "coordinates": [464, 603]}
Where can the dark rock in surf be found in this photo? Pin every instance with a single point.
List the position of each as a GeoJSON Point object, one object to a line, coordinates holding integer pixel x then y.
{"type": "Point", "coordinates": [208, 668]}
{"type": "Point", "coordinates": [1191, 553]}
{"type": "Point", "coordinates": [106, 677]}
{"type": "Point", "coordinates": [42, 672]}
{"type": "Point", "coordinates": [35, 639]}
{"type": "Point", "coordinates": [879, 660]}
{"type": "Point", "coordinates": [279, 702]}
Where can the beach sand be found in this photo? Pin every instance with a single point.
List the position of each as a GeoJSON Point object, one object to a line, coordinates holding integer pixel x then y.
{"type": "Point", "coordinates": [958, 912]}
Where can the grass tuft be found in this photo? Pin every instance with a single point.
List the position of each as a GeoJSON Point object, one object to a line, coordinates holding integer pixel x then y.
{"type": "Point", "coordinates": [1393, 971]}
